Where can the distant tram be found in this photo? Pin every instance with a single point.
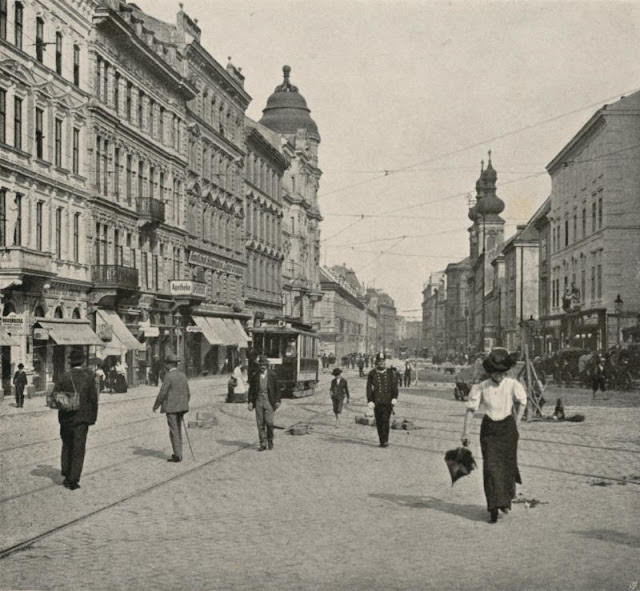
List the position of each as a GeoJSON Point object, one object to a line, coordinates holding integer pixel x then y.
{"type": "Point", "coordinates": [292, 350]}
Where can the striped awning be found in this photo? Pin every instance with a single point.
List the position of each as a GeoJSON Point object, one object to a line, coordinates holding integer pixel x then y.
{"type": "Point", "coordinates": [70, 332]}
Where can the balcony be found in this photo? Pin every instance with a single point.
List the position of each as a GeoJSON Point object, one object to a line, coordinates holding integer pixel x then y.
{"type": "Point", "coordinates": [114, 277]}
{"type": "Point", "coordinates": [19, 261]}
{"type": "Point", "coordinates": [151, 211]}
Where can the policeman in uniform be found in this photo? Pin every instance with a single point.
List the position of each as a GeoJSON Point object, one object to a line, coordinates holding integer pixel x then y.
{"type": "Point", "coordinates": [382, 396]}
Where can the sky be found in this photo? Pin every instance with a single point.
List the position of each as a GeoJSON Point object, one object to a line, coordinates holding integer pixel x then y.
{"type": "Point", "coordinates": [409, 97]}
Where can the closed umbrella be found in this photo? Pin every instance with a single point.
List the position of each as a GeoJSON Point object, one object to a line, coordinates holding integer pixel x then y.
{"type": "Point", "coordinates": [460, 462]}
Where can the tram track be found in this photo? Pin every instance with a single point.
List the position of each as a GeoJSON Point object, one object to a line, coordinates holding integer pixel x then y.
{"type": "Point", "coordinates": [316, 413]}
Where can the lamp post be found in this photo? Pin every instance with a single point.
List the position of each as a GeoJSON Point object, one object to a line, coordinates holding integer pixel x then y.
{"type": "Point", "coordinates": [618, 304]}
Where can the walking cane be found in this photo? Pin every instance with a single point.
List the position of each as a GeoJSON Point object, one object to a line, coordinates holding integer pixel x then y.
{"type": "Point", "coordinates": [186, 432]}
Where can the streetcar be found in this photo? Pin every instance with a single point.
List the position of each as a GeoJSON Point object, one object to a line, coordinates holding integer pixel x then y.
{"type": "Point", "coordinates": [292, 351]}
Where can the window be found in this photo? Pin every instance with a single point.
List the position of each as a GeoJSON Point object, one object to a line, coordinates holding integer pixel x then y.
{"type": "Point", "coordinates": [39, 207]}
{"type": "Point", "coordinates": [39, 134]}
{"type": "Point", "coordinates": [152, 174]}
{"type": "Point", "coordinates": [59, 232]}
{"type": "Point", "coordinates": [593, 217]}
{"type": "Point", "coordinates": [98, 146]}
{"type": "Point", "coordinates": [3, 217]}
{"type": "Point", "coordinates": [105, 83]}
{"type": "Point", "coordinates": [17, 24]}
{"type": "Point", "coordinates": [600, 212]}
{"type": "Point", "coordinates": [140, 179]}
{"type": "Point", "coordinates": [161, 125]}
{"type": "Point", "coordinates": [593, 283]}
{"type": "Point", "coordinates": [129, 177]}
{"type": "Point", "coordinates": [98, 68]}
{"type": "Point", "coordinates": [156, 273]}
{"type": "Point", "coordinates": [58, 143]}
{"type": "Point", "coordinates": [161, 186]}
{"type": "Point", "coordinates": [76, 151]}
{"type": "Point", "coordinates": [575, 227]}
{"type": "Point", "coordinates": [105, 155]}
{"type": "Point", "coordinates": [599, 282]}
{"type": "Point", "coordinates": [584, 222]}
{"type": "Point", "coordinates": [116, 92]}
{"type": "Point", "coordinates": [76, 238]}
{"type": "Point", "coordinates": [3, 20]}
{"type": "Point", "coordinates": [583, 284]}
{"type": "Point", "coordinates": [40, 39]}
{"type": "Point", "coordinates": [97, 244]}
{"type": "Point", "coordinates": [76, 65]}
{"type": "Point", "coordinates": [116, 171]}
{"type": "Point", "coordinates": [566, 232]}
{"type": "Point", "coordinates": [145, 269]}
{"type": "Point", "coordinates": [59, 53]}
{"type": "Point", "coordinates": [17, 123]}
{"type": "Point", "coordinates": [3, 116]}
{"type": "Point", "coordinates": [140, 104]}
{"type": "Point", "coordinates": [17, 231]}
{"type": "Point", "coordinates": [128, 101]}
{"type": "Point", "coordinates": [152, 109]}
{"type": "Point", "coordinates": [118, 254]}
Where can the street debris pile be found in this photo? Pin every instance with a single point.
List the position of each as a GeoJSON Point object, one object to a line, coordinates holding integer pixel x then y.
{"type": "Point", "coordinates": [204, 420]}
{"type": "Point", "coordinates": [300, 429]}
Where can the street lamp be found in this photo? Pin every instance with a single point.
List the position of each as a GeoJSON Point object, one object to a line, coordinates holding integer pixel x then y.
{"type": "Point", "coordinates": [618, 304]}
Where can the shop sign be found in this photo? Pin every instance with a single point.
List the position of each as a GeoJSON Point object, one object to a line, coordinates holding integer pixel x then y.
{"type": "Point", "coordinates": [12, 322]}
{"type": "Point", "coordinates": [189, 288]}
{"type": "Point", "coordinates": [591, 320]}
{"type": "Point", "coordinates": [206, 260]}
{"type": "Point", "coordinates": [151, 331]}
{"type": "Point", "coordinates": [40, 334]}
{"type": "Point", "coordinates": [193, 329]}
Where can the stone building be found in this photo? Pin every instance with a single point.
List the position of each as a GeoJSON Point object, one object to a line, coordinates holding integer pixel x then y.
{"type": "Point", "coordinates": [594, 221]}
{"type": "Point", "coordinates": [210, 291]}
{"type": "Point", "coordinates": [287, 113]}
{"type": "Point", "coordinates": [137, 151]}
{"type": "Point", "coordinates": [265, 165]}
{"type": "Point", "coordinates": [434, 306]}
{"type": "Point", "coordinates": [385, 309]}
{"type": "Point", "coordinates": [45, 223]}
{"type": "Point", "coordinates": [340, 316]}
{"type": "Point", "coordinates": [457, 308]}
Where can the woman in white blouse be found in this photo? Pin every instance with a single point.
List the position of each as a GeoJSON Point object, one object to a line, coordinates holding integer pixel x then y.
{"type": "Point", "coordinates": [495, 397]}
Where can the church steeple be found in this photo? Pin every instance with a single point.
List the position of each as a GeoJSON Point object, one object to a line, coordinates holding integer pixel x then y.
{"type": "Point", "coordinates": [491, 204]}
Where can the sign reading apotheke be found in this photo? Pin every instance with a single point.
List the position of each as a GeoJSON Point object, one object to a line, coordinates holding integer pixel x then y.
{"type": "Point", "coordinates": [189, 288]}
{"type": "Point", "coordinates": [205, 260]}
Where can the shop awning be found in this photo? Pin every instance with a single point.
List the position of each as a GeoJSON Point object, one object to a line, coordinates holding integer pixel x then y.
{"type": "Point", "coordinates": [122, 339]}
{"type": "Point", "coordinates": [7, 339]}
{"type": "Point", "coordinates": [213, 335]}
{"type": "Point", "coordinates": [237, 332]}
{"type": "Point", "coordinates": [70, 332]}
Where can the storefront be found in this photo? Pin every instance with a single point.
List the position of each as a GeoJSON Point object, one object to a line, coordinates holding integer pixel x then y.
{"type": "Point", "coordinates": [52, 338]}
{"type": "Point", "coordinates": [7, 342]}
{"type": "Point", "coordinates": [214, 344]}
{"type": "Point", "coordinates": [585, 329]}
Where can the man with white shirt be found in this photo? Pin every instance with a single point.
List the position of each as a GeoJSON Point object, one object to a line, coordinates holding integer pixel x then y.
{"type": "Point", "coordinates": [497, 397]}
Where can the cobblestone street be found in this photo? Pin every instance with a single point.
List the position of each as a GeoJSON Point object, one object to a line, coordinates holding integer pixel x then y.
{"type": "Point", "coordinates": [329, 510]}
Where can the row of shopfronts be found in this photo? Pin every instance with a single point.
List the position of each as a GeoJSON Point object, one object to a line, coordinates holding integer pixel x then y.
{"type": "Point", "coordinates": [39, 332]}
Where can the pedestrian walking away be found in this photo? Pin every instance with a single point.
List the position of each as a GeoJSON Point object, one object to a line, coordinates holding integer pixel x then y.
{"type": "Point", "coordinates": [19, 383]}
{"type": "Point", "coordinates": [173, 400]}
{"type": "Point", "coordinates": [407, 374]}
{"type": "Point", "coordinates": [74, 424]}
{"type": "Point", "coordinates": [496, 397]}
{"type": "Point", "coordinates": [598, 376]}
{"type": "Point", "coordinates": [339, 391]}
{"type": "Point", "coordinates": [382, 396]}
{"type": "Point", "coordinates": [264, 397]}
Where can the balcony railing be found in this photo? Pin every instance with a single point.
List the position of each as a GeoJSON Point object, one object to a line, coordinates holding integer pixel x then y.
{"type": "Point", "coordinates": [150, 209]}
{"type": "Point", "coordinates": [24, 260]}
{"type": "Point", "coordinates": [115, 276]}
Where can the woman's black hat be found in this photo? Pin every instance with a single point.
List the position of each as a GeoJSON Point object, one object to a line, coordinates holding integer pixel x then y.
{"type": "Point", "coordinates": [499, 360]}
{"type": "Point", "coordinates": [336, 371]}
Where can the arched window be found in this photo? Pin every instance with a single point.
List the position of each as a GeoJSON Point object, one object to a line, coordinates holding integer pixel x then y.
{"type": "Point", "coordinates": [39, 312]}
{"type": "Point", "coordinates": [76, 314]}
{"type": "Point", "coordinates": [58, 312]}
{"type": "Point", "coordinates": [9, 308]}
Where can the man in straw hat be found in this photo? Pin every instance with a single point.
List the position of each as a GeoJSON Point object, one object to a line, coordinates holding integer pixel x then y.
{"type": "Point", "coordinates": [264, 396]}
{"type": "Point", "coordinates": [173, 400]}
{"type": "Point", "coordinates": [495, 397]}
{"type": "Point", "coordinates": [74, 424]}
{"type": "Point", "coordinates": [382, 396]}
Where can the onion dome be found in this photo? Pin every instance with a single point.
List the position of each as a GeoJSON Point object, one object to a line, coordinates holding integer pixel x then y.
{"type": "Point", "coordinates": [473, 211]}
{"type": "Point", "coordinates": [490, 204]}
{"type": "Point", "coordinates": [287, 111]}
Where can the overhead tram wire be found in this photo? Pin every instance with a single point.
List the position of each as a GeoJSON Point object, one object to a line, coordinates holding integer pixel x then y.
{"type": "Point", "coordinates": [390, 171]}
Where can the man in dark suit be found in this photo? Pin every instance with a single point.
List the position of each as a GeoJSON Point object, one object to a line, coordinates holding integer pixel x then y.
{"type": "Point", "coordinates": [173, 400]}
{"type": "Point", "coordinates": [264, 396]}
{"type": "Point", "coordinates": [339, 391]}
{"type": "Point", "coordinates": [19, 383]}
{"type": "Point", "coordinates": [382, 396]}
{"type": "Point", "coordinates": [74, 425]}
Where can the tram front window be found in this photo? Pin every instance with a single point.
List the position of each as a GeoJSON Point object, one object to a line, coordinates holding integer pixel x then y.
{"type": "Point", "coordinates": [291, 348]}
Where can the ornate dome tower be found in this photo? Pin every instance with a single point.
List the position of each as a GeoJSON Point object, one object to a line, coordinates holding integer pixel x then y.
{"type": "Point", "coordinates": [287, 112]}
{"type": "Point", "coordinates": [490, 206]}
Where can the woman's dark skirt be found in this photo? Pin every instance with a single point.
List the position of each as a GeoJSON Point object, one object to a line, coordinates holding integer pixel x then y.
{"type": "Point", "coordinates": [337, 404]}
{"type": "Point", "coordinates": [499, 444]}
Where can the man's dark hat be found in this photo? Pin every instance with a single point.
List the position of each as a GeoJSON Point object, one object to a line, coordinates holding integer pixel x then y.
{"type": "Point", "coordinates": [20, 366]}
{"type": "Point", "coordinates": [171, 357]}
{"type": "Point", "coordinates": [499, 360]}
{"type": "Point", "coordinates": [76, 357]}
{"type": "Point", "coordinates": [262, 360]}
{"type": "Point", "coordinates": [336, 371]}
{"type": "Point", "coordinates": [380, 357]}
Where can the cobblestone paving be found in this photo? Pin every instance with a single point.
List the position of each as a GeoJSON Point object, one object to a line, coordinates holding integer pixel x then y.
{"type": "Point", "coordinates": [329, 510]}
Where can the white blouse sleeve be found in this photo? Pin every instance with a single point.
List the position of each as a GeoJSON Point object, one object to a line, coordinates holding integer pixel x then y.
{"type": "Point", "coordinates": [475, 395]}
{"type": "Point", "coordinates": [519, 393]}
